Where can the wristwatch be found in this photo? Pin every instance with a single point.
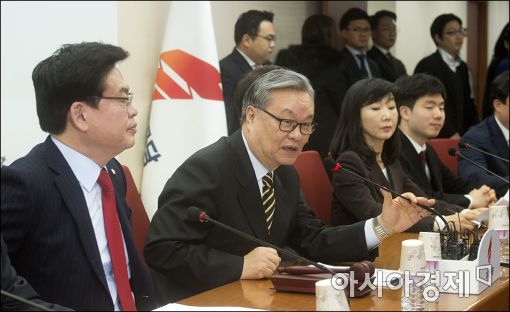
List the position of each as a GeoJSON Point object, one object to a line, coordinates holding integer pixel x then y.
{"type": "Point", "coordinates": [381, 233]}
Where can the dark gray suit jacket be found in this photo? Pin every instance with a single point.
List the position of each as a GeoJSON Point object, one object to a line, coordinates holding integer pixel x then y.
{"type": "Point", "coordinates": [47, 228]}
{"type": "Point", "coordinates": [391, 69]}
{"type": "Point", "coordinates": [189, 257]}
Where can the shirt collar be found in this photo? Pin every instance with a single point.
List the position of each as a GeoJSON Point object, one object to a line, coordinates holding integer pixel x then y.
{"type": "Point", "coordinates": [502, 128]}
{"type": "Point", "coordinates": [451, 60]}
{"type": "Point", "coordinates": [419, 148]}
{"type": "Point", "coordinates": [383, 50]}
{"type": "Point", "coordinates": [247, 58]}
{"type": "Point", "coordinates": [354, 51]}
{"type": "Point", "coordinates": [84, 168]}
{"type": "Point", "coordinates": [260, 169]}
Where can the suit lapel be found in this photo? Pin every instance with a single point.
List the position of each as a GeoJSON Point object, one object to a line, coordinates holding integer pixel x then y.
{"type": "Point", "coordinates": [74, 200]}
{"type": "Point", "coordinates": [498, 138]}
{"type": "Point", "coordinates": [282, 214]}
{"type": "Point", "coordinates": [434, 168]}
{"type": "Point", "coordinates": [375, 174]}
{"type": "Point", "coordinates": [249, 193]}
{"type": "Point", "coordinates": [409, 153]}
{"type": "Point", "coordinates": [241, 62]}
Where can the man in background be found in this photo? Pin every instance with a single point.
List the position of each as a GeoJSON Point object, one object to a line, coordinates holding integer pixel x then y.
{"type": "Point", "coordinates": [255, 40]}
{"type": "Point", "coordinates": [445, 64]}
{"type": "Point", "coordinates": [420, 99]}
{"type": "Point", "coordinates": [64, 215]}
{"type": "Point", "coordinates": [384, 35]}
{"type": "Point", "coordinates": [490, 135]}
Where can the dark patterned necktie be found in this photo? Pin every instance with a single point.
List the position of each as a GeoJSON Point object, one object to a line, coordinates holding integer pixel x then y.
{"type": "Point", "coordinates": [362, 66]}
{"type": "Point", "coordinates": [268, 199]}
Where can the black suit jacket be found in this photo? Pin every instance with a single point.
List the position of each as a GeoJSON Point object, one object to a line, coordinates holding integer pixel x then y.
{"type": "Point", "coordinates": [355, 200]}
{"type": "Point", "coordinates": [443, 183]}
{"type": "Point", "coordinates": [459, 106]}
{"type": "Point", "coordinates": [232, 68]}
{"type": "Point", "coordinates": [488, 137]}
{"type": "Point", "coordinates": [189, 257]}
{"type": "Point", "coordinates": [351, 70]}
{"type": "Point", "coordinates": [17, 285]}
{"type": "Point", "coordinates": [391, 69]}
{"type": "Point", "coordinates": [47, 228]}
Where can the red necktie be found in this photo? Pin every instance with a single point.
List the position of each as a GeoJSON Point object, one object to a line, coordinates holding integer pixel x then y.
{"type": "Point", "coordinates": [423, 158]}
{"type": "Point", "coordinates": [115, 244]}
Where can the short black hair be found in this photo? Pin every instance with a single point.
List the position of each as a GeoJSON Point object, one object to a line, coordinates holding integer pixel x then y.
{"type": "Point", "coordinates": [249, 23]}
{"type": "Point", "coordinates": [349, 134]}
{"type": "Point", "coordinates": [74, 72]}
{"type": "Point", "coordinates": [440, 22]}
{"type": "Point", "coordinates": [411, 88]}
{"type": "Point", "coordinates": [374, 19]}
{"type": "Point", "coordinates": [499, 87]}
{"type": "Point", "coordinates": [351, 15]}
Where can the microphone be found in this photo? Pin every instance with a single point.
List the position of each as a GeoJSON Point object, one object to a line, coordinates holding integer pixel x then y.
{"type": "Point", "coordinates": [25, 301]}
{"type": "Point", "coordinates": [430, 209]}
{"type": "Point", "coordinates": [194, 214]}
{"type": "Point", "coordinates": [455, 153]}
{"type": "Point", "coordinates": [467, 146]}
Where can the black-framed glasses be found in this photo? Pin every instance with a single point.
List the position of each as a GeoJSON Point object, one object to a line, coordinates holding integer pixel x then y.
{"type": "Point", "coordinates": [462, 32]}
{"type": "Point", "coordinates": [269, 38]}
{"type": "Point", "coordinates": [288, 125]}
{"type": "Point", "coordinates": [126, 101]}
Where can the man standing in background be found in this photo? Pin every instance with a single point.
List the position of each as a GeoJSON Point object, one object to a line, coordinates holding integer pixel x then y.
{"type": "Point", "coordinates": [448, 35]}
{"type": "Point", "coordinates": [384, 35]}
{"type": "Point", "coordinates": [255, 40]}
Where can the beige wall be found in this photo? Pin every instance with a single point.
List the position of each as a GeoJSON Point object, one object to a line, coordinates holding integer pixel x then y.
{"type": "Point", "coordinates": [140, 31]}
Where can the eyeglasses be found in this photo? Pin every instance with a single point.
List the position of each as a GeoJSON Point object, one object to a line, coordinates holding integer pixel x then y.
{"type": "Point", "coordinates": [359, 29]}
{"type": "Point", "coordinates": [288, 125]}
{"type": "Point", "coordinates": [461, 32]}
{"type": "Point", "coordinates": [126, 101]}
{"type": "Point", "coordinates": [269, 38]}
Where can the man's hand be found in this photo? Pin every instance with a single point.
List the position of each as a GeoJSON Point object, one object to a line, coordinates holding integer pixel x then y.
{"type": "Point", "coordinates": [259, 263]}
{"type": "Point", "coordinates": [398, 214]}
{"type": "Point", "coordinates": [482, 197]}
{"type": "Point", "coordinates": [466, 218]}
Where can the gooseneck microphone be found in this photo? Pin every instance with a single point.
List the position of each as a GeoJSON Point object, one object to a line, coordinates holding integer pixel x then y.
{"type": "Point", "coordinates": [468, 146]}
{"type": "Point", "coordinates": [338, 166]}
{"type": "Point", "coordinates": [455, 153]}
{"type": "Point", "coordinates": [25, 301]}
{"type": "Point", "coordinates": [196, 215]}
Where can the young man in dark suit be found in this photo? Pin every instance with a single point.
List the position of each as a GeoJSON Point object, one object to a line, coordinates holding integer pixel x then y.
{"type": "Point", "coordinates": [64, 215]}
{"type": "Point", "coordinates": [247, 181]}
{"type": "Point", "coordinates": [421, 105]}
{"type": "Point", "coordinates": [490, 135]}
{"type": "Point", "coordinates": [448, 35]}
{"type": "Point", "coordinates": [384, 34]}
{"type": "Point", "coordinates": [255, 40]}
{"type": "Point", "coordinates": [355, 31]}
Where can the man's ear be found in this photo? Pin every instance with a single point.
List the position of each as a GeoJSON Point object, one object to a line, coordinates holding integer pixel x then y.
{"type": "Point", "coordinates": [250, 114]}
{"type": "Point", "coordinates": [246, 40]}
{"type": "Point", "coordinates": [404, 112]}
{"type": "Point", "coordinates": [437, 39]}
{"type": "Point", "coordinates": [77, 115]}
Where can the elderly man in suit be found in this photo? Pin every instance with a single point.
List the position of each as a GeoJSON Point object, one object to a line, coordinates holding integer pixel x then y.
{"type": "Point", "coordinates": [490, 135]}
{"type": "Point", "coordinates": [64, 215]}
{"type": "Point", "coordinates": [247, 181]}
{"type": "Point", "coordinates": [384, 35]}
{"type": "Point", "coordinates": [255, 40]}
{"type": "Point", "coordinates": [421, 105]}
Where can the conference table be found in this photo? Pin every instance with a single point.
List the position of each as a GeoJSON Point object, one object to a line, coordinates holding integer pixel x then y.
{"type": "Point", "coordinates": [259, 294]}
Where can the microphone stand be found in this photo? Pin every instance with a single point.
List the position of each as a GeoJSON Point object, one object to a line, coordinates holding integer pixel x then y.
{"type": "Point", "coordinates": [465, 145]}
{"type": "Point", "coordinates": [457, 153]}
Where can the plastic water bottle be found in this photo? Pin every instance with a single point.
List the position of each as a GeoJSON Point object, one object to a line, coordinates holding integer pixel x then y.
{"type": "Point", "coordinates": [503, 238]}
{"type": "Point", "coordinates": [412, 296]}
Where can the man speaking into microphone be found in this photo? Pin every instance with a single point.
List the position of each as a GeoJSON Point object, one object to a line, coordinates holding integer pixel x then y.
{"type": "Point", "coordinates": [247, 181]}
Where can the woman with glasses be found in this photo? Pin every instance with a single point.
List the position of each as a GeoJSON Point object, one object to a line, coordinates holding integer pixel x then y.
{"type": "Point", "coordinates": [366, 143]}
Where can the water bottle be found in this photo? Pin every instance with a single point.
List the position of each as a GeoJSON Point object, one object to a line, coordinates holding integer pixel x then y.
{"type": "Point", "coordinates": [503, 238]}
{"type": "Point", "coordinates": [413, 298]}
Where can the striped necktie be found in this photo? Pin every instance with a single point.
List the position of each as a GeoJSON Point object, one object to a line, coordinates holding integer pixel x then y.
{"type": "Point", "coordinates": [268, 199]}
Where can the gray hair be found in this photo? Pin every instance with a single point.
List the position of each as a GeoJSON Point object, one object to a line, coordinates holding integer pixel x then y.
{"type": "Point", "coordinates": [257, 95]}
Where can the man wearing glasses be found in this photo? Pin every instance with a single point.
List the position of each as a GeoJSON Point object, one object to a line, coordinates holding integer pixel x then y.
{"type": "Point", "coordinates": [255, 40]}
{"type": "Point", "coordinates": [64, 215]}
{"type": "Point", "coordinates": [355, 31]}
{"type": "Point", "coordinates": [247, 181]}
{"type": "Point", "coordinates": [445, 64]}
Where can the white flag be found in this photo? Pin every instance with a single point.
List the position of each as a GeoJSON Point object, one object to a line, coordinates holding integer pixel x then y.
{"type": "Point", "coordinates": [187, 111]}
